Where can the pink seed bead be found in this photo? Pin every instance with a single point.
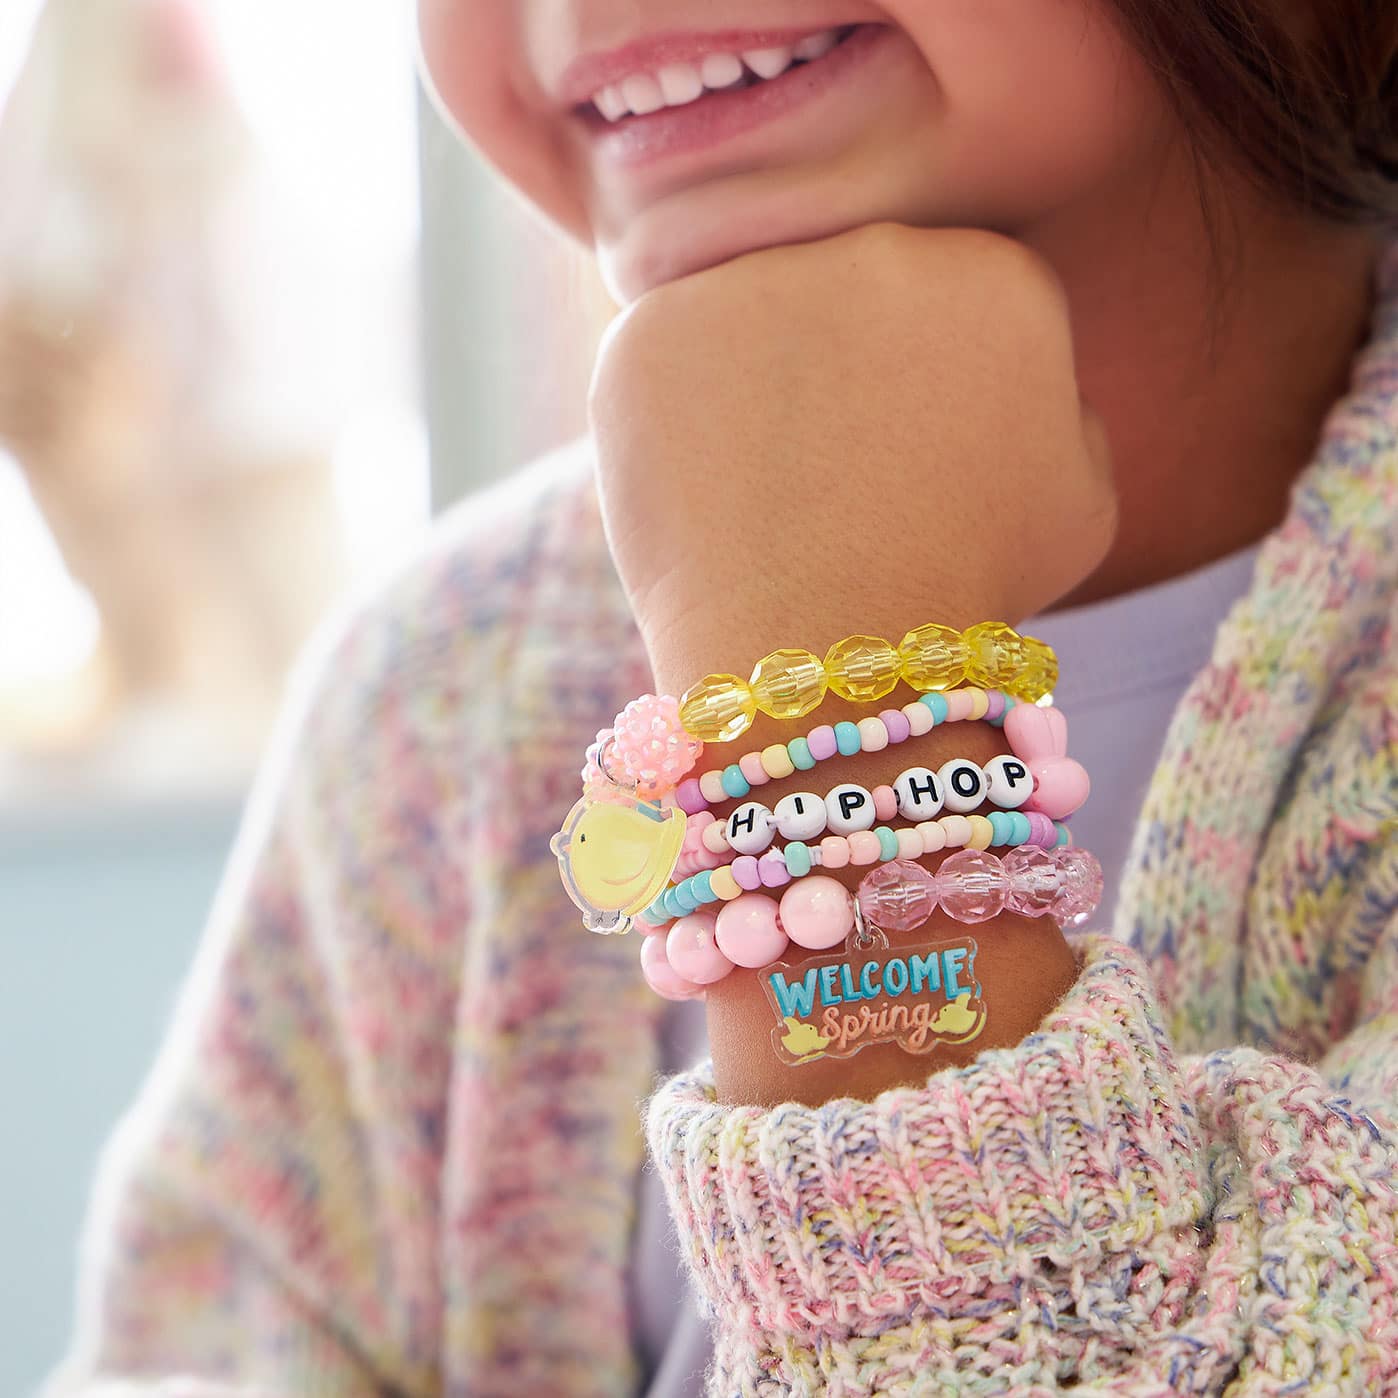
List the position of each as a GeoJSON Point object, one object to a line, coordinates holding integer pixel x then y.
{"type": "Point", "coordinates": [960, 705]}
{"type": "Point", "coordinates": [834, 852]}
{"type": "Point", "coordinates": [711, 785]}
{"type": "Point", "coordinates": [885, 803]}
{"type": "Point", "coordinates": [919, 718]}
{"type": "Point", "coordinates": [771, 868]}
{"type": "Point", "coordinates": [934, 838]}
{"type": "Point", "coordinates": [748, 931]}
{"type": "Point", "coordinates": [957, 829]}
{"type": "Point", "coordinates": [750, 765]}
{"type": "Point", "coordinates": [873, 736]}
{"type": "Point", "coordinates": [817, 912]}
{"type": "Point", "coordinates": [863, 847]}
{"type": "Point", "coordinates": [688, 796]}
{"type": "Point", "coordinates": [745, 872]}
{"type": "Point", "coordinates": [821, 742]}
{"type": "Point", "coordinates": [716, 838]}
{"type": "Point", "coordinates": [661, 976]}
{"type": "Point", "coordinates": [895, 721]}
{"type": "Point", "coordinates": [691, 950]}
{"type": "Point", "coordinates": [909, 844]}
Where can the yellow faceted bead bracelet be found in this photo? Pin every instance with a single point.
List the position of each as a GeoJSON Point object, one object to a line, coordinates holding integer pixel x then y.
{"type": "Point", "coordinates": [863, 669]}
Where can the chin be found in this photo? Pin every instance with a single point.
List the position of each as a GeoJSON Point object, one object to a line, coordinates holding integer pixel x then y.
{"type": "Point", "coordinates": [665, 244]}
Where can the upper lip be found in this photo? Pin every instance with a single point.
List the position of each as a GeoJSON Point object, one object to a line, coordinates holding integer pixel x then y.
{"type": "Point", "coordinates": [591, 72]}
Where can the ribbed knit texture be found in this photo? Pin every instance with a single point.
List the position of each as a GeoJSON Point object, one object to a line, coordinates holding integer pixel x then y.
{"type": "Point", "coordinates": [391, 1146]}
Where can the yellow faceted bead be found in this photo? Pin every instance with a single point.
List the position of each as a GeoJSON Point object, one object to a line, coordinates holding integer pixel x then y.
{"type": "Point", "coordinates": [994, 655]}
{"type": "Point", "coordinates": [933, 657]}
{"type": "Point", "coordinates": [1039, 674]}
{"type": "Point", "coordinates": [862, 668]}
{"type": "Point", "coordinates": [788, 683]}
{"type": "Point", "coordinates": [718, 709]}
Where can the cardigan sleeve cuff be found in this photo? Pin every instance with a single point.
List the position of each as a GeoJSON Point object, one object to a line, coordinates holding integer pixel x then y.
{"type": "Point", "coordinates": [1076, 1144]}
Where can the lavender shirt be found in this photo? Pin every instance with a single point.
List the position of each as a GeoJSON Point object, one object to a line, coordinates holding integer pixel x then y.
{"type": "Point", "coordinates": [1126, 662]}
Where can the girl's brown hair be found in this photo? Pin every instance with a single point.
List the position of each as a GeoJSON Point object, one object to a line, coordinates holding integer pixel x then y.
{"type": "Point", "coordinates": [1309, 101]}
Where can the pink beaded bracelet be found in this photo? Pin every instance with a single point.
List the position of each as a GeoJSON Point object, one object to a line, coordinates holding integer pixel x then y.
{"type": "Point", "coordinates": [754, 930]}
{"type": "Point", "coordinates": [706, 877]}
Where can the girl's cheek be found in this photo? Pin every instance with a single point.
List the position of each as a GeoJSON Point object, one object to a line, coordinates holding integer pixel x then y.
{"type": "Point", "coordinates": [471, 55]}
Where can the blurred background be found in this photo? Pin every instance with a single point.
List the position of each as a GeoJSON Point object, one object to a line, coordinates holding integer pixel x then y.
{"type": "Point", "coordinates": [261, 317]}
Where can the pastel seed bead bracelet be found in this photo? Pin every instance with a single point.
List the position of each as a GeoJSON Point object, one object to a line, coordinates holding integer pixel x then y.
{"type": "Point", "coordinates": [873, 734]}
{"type": "Point", "coordinates": [788, 684]}
{"type": "Point", "coordinates": [776, 868]}
{"type": "Point", "coordinates": [754, 930]}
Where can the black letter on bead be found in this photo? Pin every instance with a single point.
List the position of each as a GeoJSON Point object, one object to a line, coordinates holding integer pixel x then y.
{"type": "Point", "coordinates": [927, 788]}
{"type": "Point", "coordinates": [960, 776]}
{"type": "Point", "coordinates": [851, 801]}
{"type": "Point", "coordinates": [1015, 772]}
{"type": "Point", "coordinates": [737, 822]}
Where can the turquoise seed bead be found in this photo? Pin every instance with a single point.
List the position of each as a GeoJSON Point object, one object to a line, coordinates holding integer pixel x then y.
{"type": "Point", "coordinates": [656, 914]}
{"type": "Point", "coordinates": [847, 739]}
{"type": "Point", "coordinates": [703, 884]}
{"type": "Point", "coordinates": [735, 784]}
{"type": "Point", "coordinates": [888, 843]}
{"type": "Point", "coordinates": [672, 903]}
{"type": "Point", "coordinates": [799, 750]}
{"type": "Point", "coordinates": [1063, 836]}
{"type": "Point", "coordinates": [684, 896]}
{"type": "Point", "coordinates": [1020, 833]}
{"type": "Point", "coordinates": [1000, 828]}
{"type": "Point", "coordinates": [798, 859]}
{"type": "Point", "coordinates": [1010, 702]}
{"type": "Point", "coordinates": [938, 704]}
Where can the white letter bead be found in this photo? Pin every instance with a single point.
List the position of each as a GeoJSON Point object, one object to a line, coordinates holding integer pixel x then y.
{"type": "Point", "coordinates": [1010, 783]}
{"type": "Point", "coordinates": [963, 785]}
{"type": "Point", "coordinates": [918, 791]}
{"type": "Point", "coordinates": [849, 808]}
{"type": "Point", "coordinates": [750, 828]}
{"type": "Point", "coordinates": [801, 816]}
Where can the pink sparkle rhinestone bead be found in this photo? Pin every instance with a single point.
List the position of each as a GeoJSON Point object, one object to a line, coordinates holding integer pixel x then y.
{"type": "Point", "coordinates": [691, 950]}
{"type": "Point", "coordinates": [898, 896]}
{"type": "Point", "coordinates": [1080, 886]}
{"type": "Point", "coordinates": [972, 885]}
{"type": "Point", "coordinates": [1033, 876]}
{"type": "Point", "coordinates": [651, 748]}
{"type": "Point", "coordinates": [661, 976]}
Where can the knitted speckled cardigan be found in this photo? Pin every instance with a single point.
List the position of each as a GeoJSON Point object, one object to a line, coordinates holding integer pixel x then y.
{"type": "Point", "coordinates": [392, 1144]}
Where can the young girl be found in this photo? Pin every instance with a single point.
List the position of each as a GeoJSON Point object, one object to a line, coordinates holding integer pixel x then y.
{"type": "Point", "coordinates": [1079, 311]}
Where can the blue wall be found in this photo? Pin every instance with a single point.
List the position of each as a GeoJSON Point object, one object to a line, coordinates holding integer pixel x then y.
{"type": "Point", "coordinates": [99, 918]}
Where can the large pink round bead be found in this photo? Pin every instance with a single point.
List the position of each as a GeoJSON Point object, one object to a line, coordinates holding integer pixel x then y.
{"type": "Point", "coordinates": [691, 949]}
{"type": "Point", "coordinates": [748, 931]}
{"type": "Point", "coordinates": [1034, 883]}
{"type": "Point", "coordinates": [661, 976]}
{"type": "Point", "coordinates": [898, 896]}
{"type": "Point", "coordinates": [817, 912]}
{"type": "Point", "coordinates": [972, 886]}
{"type": "Point", "coordinates": [1080, 886]}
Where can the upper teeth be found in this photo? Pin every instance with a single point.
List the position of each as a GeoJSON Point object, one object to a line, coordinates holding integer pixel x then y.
{"type": "Point", "coordinates": [679, 83]}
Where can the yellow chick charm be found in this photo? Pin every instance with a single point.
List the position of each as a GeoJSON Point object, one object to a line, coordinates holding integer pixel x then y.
{"type": "Point", "coordinates": [616, 858]}
{"type": "Point", "coordinates": [803, 1041]}
{"type": "Point", "coordinates": [956, 1018]}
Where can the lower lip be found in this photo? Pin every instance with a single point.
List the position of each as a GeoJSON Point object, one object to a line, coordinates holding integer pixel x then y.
{"type": "Point", "coordinates": [719, 116]}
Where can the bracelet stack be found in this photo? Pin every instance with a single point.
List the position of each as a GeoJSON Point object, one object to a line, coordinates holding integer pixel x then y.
{"type": "Point", "coordinates": [644, 844]}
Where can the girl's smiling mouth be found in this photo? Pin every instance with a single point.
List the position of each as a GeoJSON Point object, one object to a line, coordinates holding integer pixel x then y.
{"type": "Point", "coordinates": [686, 93]}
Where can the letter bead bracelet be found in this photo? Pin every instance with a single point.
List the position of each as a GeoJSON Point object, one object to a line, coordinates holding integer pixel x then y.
{"type": "Point", "coordinates": [754, 930]}
{"type": "Point", "coordinates": [790, 683]}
